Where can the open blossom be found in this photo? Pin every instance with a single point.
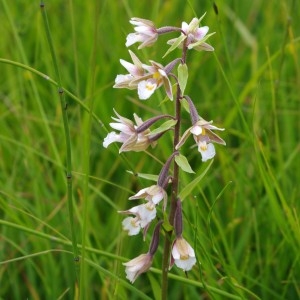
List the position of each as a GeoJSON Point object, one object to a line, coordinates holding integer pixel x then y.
{"type": "Point", "coordinates": [193, 36]}
{"type": "Point", "coordinates": [204, 137]}
{"type": "Point", "coordinates": [128, 136]}
{"type": "Point", "coordinates": [183, 255]}
{"type": "Point", "coordinates": [137, 266]}
{"type": "Point", "coordinates": [146, 79]}
{"type": "Point", "coordinates": [144, 214]}
{"type": "Point", "coordinates": [145, 33]}
{"type": "Point", "coordinates": [154, 79]}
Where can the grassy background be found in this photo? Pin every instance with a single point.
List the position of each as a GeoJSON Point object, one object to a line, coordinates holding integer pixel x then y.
{"type": "Point", "coordinates": [242, 218]}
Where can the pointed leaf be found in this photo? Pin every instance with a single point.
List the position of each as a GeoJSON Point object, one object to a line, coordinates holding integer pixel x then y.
{"type": "Point", "coordinates": [200, 19]}
{"type": "Point", "coordinates": [144, 175]}
{"type": "Point", "coordinates": [188, 188]}
{"type": "Point", "coordinates": [155, 285]}
{"type": "Point", "coordinates": [182, 76]}
{"type": "Point", "coordinates": [166, 224]}
{"type": "Point", "coordinates": [193, 45]}
{"type": "Point", "coordinates": [185, 104]}
{"type": "Point", "coordinates": [164, 127]}
{"type": "Point", "coordinates": [176, 43]}
{"type": "Point", "coordinates": [183, 163]}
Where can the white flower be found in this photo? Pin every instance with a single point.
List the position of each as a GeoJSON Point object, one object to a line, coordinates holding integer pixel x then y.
{"type": "Point", "coordinates": [144, 214]}
{"type": "Point", "coordinates": [131, 225]}
{"type": "Point", "coordinates": [194, 36]}
{"type": "Point", "coordinates": [154, 79]}
{"type": "Point", "coordinates": [135, 70]}
{"type": "Point", "coordinates": [154, 194]}
{"type": "Point", "coordinates": [183, 255]}
{"type": "Point", "coordinates": [145, 33]}
{"type": "Point", "coordinates": [128, 136]}
{"type": "Point", "coordinates": [204, 137]}
{"type": "Point", "coordinates": [137, 266]}
{"type": "Point", "coordinates": [146, 79]}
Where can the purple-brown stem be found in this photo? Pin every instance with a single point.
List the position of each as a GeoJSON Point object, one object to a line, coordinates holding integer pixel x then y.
{"type": "Point", "coordinates": [174, 190]}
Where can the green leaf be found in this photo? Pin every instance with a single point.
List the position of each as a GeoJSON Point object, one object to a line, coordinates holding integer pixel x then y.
{"type": "Point", "coordinates": [166, 224]}
{"type": "Point", "coordinates": [183, 163]}
{"type": "Point", "coordinates": [155, 285]}
{"type": "Point", "coordinates": [188, 188]}
{"type": "Point", "coordinates": [185, 105]}
{"type": "Point", "coordinates": [164, 127]}
{"type": "Point", "coordinates": [178, 41]}
{"type": "Point", "coordinates": [144, 175]}
{"type": "Point", "coordinates": [182, 76]}
{"type": "Point", "coordinates": [203, 40]}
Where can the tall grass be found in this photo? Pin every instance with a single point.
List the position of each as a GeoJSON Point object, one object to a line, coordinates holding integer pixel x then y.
{"type": "Point", "coordinates": [243, 216]}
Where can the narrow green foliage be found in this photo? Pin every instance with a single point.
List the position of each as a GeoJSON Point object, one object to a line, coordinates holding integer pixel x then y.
{"type": "Point", "coordinates": [182, 76]}
{"type": "Point", "coordinates": [183, 163]}
{"type": "Point", "coordinates": [164, 127]}
{"type": "Point", "coordinates": [187, 190]}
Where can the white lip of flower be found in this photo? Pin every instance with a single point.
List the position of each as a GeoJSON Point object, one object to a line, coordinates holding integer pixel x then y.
{"type": "Point", "coordinates": [207, 151]}
{"type": "Point", "coordinates": [183, 255]}
{"type": "Point", "coordinates": [145, 33]}
{"type": "Point", "coordinates": [146, 88]}
{"type": "Point", "coordinates": [131, 225]}
{"type": "Point", "coordinates": [195, 36]}
{"type": "Point", "coordinates": [137, 266]}
{"type": "Point", "coordinates": [204, 137]}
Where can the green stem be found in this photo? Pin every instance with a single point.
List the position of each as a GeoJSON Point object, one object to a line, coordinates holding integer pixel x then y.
{"type": "Point", "coordinates": [83, 290]}
{"type": "Point", "coordinates": [67, 140]}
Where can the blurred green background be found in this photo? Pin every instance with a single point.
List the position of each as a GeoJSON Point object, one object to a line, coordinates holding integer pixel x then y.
{"type": "Point", "coordinates": [242, 218]}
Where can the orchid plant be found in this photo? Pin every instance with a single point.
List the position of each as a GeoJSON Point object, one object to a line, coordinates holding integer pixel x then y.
{"type": "Point", "coordinates": [137, 136]}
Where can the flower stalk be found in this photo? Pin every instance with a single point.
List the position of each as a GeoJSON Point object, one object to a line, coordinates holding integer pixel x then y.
{"type": "Point", "coordinates": [146, 79]}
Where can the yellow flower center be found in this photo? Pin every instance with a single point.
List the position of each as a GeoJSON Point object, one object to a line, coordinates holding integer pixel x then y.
{"type": "Point", "coordinates": [157, 75]}
{"type": "Point", "coordinates": [149, 86]}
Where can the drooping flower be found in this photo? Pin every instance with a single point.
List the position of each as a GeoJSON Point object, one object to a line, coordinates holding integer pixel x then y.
{"type": "Point", "coordinates": [142, 263]}
{"type": "Point", "coordinates": [145, 33]}
{"type": "Point", "coordinates": [204, 137]}
{"type": "Point", "coordinates": [137, 266]}
{"type": "Point", "coordinates": [183, 255]}
{"type": "Point", "coordinates": [128, 136]}
{"type": "Point", "coordinates": [144, 214]}
{"type": "Point", "coordinates": [194, 36]}
{"type": "Point", "coordinates": [154, 194]}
